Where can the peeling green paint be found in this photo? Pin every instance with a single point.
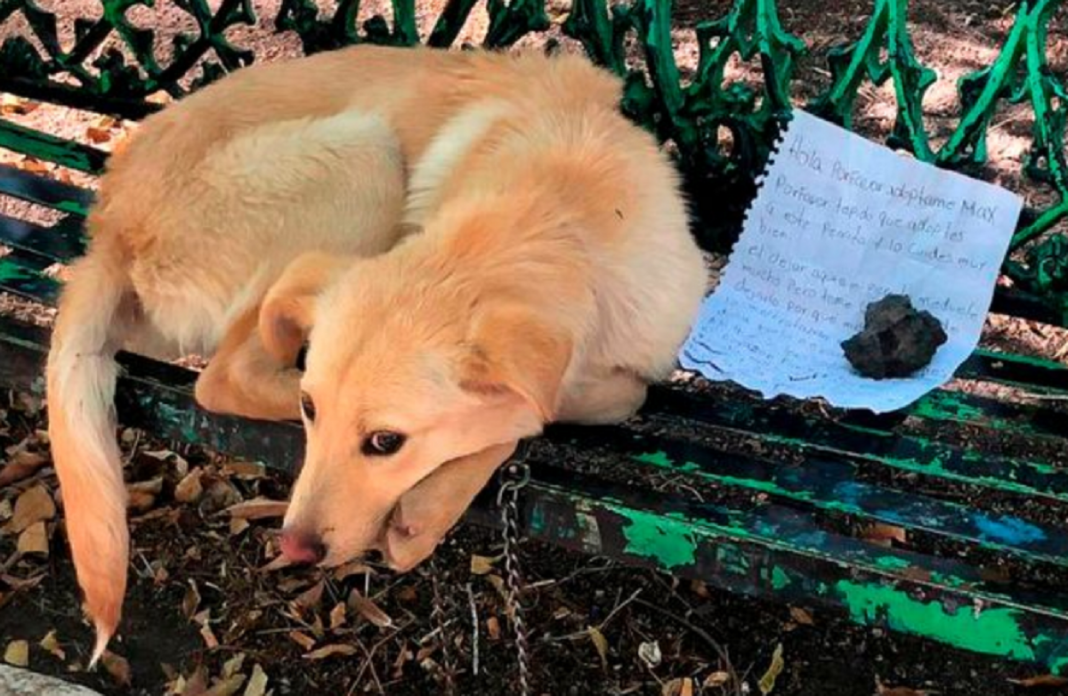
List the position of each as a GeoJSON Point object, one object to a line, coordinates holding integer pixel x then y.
{"type": "Point", "coordinates": [991, 631]}
{"type": "Point", "coordinates": [668, 542]}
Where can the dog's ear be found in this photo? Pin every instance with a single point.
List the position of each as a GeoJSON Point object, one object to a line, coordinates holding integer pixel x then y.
{"type": "Point", "coordinates": [516, 355]}
{"type": "Point", "coordinates": [287, 312]}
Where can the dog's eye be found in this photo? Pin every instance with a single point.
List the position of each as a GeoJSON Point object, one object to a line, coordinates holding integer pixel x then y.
{"type": "Point", "coordinates": [382, 443]}
{"type": "Point", "coordinates": [302, 359]}
{"type": "Point", "coordinates": [307, 406]}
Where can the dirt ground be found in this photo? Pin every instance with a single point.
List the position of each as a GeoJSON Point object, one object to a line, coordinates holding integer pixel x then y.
{"type": "Point", "coordinates": [208, 613]}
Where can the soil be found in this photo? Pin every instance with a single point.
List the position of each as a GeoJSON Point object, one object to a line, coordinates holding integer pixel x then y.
{"type": "Point", "coordinates": [190, 558]}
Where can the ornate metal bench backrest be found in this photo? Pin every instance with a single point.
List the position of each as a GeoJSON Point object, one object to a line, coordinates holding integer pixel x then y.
{"type": "Point", "coordinates": [719, 128]}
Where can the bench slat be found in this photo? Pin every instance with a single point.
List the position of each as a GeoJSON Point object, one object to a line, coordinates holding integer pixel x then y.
{"type": "Point", "coordinates": [45, 191]}
{"type": "Point", "coordinates": [21, 274]}
{"type": "Point", "coordinates": [830, 486]}
{"type": "Point", "coordinates": [864, 443]}
{"type": "Point", "coordinates": [783, 554]}
{"type": "Point", "coordinates": [50, 148]}
{"type": "Point", "coordinates": [61, 242]}
{"type": "Point", "coordinates": [773, 550]}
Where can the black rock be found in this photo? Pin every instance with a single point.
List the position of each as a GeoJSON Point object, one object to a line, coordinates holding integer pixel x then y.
{"type": "Point", "coordinates": [897, 340]}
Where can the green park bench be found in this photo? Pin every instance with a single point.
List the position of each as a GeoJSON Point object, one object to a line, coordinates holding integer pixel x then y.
{"type": "Point", "coordinates": [767, 498]}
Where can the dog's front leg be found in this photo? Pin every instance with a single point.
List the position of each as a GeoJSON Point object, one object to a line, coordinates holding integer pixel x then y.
{"type": "Point", "coordinates": [427, 512]}
{"type": "Point", "coordinates": [243, 379]}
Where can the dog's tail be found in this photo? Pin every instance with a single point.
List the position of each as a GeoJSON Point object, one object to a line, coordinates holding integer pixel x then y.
{"type": "Point", "coordinates": [94, 317]}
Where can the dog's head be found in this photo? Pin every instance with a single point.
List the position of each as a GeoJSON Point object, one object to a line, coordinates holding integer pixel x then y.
{"type": "Point", "coordinates": [405, 370]}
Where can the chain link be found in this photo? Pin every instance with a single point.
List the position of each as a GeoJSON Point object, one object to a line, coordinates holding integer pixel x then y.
{"type": "Point", "coordinates": [515, 476]}
{"type": "Point", "coordinates": [437, 614]}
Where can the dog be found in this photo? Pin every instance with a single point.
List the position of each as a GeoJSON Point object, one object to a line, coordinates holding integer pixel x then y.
{"type": "Point", "coordinates": [467, 245]}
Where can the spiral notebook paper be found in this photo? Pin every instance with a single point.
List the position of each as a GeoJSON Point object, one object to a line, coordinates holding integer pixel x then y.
{"type": "Point", "coordinates": [840, 222]}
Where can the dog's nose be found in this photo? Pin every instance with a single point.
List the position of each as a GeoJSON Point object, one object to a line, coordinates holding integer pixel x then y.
{"type": "Point", "coordinates": [303, 548]}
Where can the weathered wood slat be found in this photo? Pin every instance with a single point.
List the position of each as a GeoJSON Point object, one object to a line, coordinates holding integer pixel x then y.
{"type": "Point", "coordinates": [772, 549]}
{"type": "Point", "coordinates": [50, 148]}
{"type": "Point", "coordinates": [45, 191]}
{"type": "Point", "coordinates": [830, 486]}
{"type": "Point", "coordinates": [864, 443]}
{"type": "Point", "coordinates": [1016, 371]}
{"type": "Point", "coordinates": [61, 242]}
{"type": "Point", "coordinates": [21, 274]}
{"type": "Point", "coordinates": [777, 552]}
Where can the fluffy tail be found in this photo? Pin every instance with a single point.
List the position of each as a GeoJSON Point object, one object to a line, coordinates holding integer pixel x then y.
{"type": "Point", "coordinates": [94, 316]}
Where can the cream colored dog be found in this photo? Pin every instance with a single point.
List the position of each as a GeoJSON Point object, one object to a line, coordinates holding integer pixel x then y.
{"type": "Point", "coordinates": [538, 268]}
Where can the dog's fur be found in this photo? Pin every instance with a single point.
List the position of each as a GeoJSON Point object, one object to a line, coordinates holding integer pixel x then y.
{"type": "Point", "coordinates": [539, 268]}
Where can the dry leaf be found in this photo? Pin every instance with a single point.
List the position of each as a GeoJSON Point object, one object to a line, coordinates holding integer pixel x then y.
{"type": "Point", "coordinates": [117, 667]}
{"type": "Point", "coordinates": [238, 525]}
{"type": "Point", "coordinates": [1041, 680]}
{"type": "Point", "coordinates": [226, 687]}
{"type": "Point", "coordinates": [197, 684]}
{"type": "Point", "coordinates": [481, 565]}
{"type": "Point", "coordinates": [51, 645]}
{"type": "Point", "coordinates": [140, 501]}
{"type": "Point", "coordinates": [33, 166]}
{"type": "Point", "coordinates": [699, 588]}
{"type": "Point", "coordinates": [600, 643]}
{"type": "Point", "coordinates": [105, 121]}
{"type": "Point", "coordinates": [352, 568]}
{"type": "Point", "coordinates": [767, 682]}
{"type": "Point", "coordinates": [153, 486]}
{"type": "Point", "coordinates": [682, 686]}
{"type": "Point", "coordinates": [190, 488]}
{"type": "Point", "coordinates": [34, 505]}
{"type": "Point", "coordinates": [302, 639]}
{"type": "Point", "coordinates": [6, 511]}
{"type": "Point", "coordinates": [493, 628]}
{"type": "Point", "coordinates": [34, 540]}
{"type": "Point", "coordinates": [369, 610]}
{"type": "Point", "coordinates": [17, 653]}
{"type": "Point", "coordinates": [884, 534]}
{"type": "Point", "coordinates": [191, 600]}
{"type": "Point", "coordinates": [258, 508]}
{"type": "Point", "coordinates": [97, 135]}
{"type": "Point", "coordinates": [716, 679]}
{"type": "Point", "coordinates": [233, 665]}
{"type": "Point", "coordinates": [650, 654]}
{"type": "Point", "coordinates": [209, 636]}
{"type": "Point", "coordinates": [329, 651]}
{"type": "Point", "coordinates": [337, 616]}
{"type": "Point", "coordinates": [245, 470]}
{"type": "Point", "coordinates": [278, 563]}
{"type": "Point", "coordinates": [17, 106]}
{"type": "Point", "coordinates": [310, 599]}
{"type": "Point", "coordinates": [21, 465]}
{"type": "Point", "coordinates": [257, 683]}
{"type": "Point", "coordinates": [900, 691]}
{"type": "Point", "coordinates": [801, 616]}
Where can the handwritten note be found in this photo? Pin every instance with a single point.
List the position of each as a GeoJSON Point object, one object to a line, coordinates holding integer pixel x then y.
{"type": "Point", "coordinates": [840, 222]}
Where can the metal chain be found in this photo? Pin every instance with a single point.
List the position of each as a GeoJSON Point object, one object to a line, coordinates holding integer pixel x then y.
{"type": "Point", "coordinates": [437, 614]}
{"type": "Point", "coordinates": [514, 477]}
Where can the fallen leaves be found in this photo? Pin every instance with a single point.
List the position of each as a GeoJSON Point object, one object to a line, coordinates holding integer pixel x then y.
{"type": "Point", "coordinates": [366, 608]}
{"type": "Point", "coordinates": [331, 650]}
{"type": "Point", "coordinates": [34, 505]}
{"type": "Point", "coordinates": [884, 534]}
{"type": "Point", "coordinates": [600, 644]}
{"type": "Point", "coordinates": [650, 655]}
{"type": "Point", "coordinates": [21, 464]}
{"type": "Point", "coordinates": [257, 683]}
{"type": "Point", "coordinates": [767, 682]}
{"type": "Point", "coordinates": [883, 690]}
{"type": "Point", "coordinates": [50, 644]}
{"type": "Point", "coordinates": [117, 667]}
{"type": "Point", "coordinates": [11, 105]}
{"type": "Point", "coordinates": [258, 509]}
{"type": "Point", "coordinates": [17, 653]}
{"type": "Point", "coordinates": [34, 540]}
{"type": "Point", "coordinates": [482, 565]}
{"type": "Point", "coordinates": [1050, 680]}
{"type": "Point", "coordinates": [682, 686]}
{"type": "Point", "coordinates": [190, 488]}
